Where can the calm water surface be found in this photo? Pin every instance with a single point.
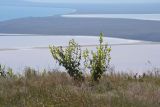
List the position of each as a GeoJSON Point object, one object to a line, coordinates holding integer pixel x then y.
{"type": "Point", "coordinates": [131, 58]}
{"type": "Point", "coordinates": [14, 12]}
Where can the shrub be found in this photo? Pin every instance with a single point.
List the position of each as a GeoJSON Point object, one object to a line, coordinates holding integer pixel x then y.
{"type": "Point", "coordinates": [6, 72]}
{"type": "Point", "coordinates": [70, 58]}
{"type": "Point", "coordinates": [98, 61]}
{"type": "Point", "coordinates": [2, 71]}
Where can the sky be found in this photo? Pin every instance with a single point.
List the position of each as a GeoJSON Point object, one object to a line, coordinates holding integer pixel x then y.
{"type": "Point", "coordinates": [81, 1]}
{"type": "Point", "coordinates": [94, 1]}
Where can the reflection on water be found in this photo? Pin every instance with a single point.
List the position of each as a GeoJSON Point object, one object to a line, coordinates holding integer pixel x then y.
{"type": "Point", "coordinates": [124, 57]}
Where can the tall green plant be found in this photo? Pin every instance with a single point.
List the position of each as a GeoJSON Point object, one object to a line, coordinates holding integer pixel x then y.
{"type": "Point", "coordinates": [70, 58]}
{"type": "Point", "coordinates": [98, 61]}
{"type": "Point", "coordinates": [6, 72]}
{"type": "Point", "coordinates": [2, 71]}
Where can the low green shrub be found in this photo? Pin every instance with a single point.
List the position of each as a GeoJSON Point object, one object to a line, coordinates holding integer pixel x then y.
{"type": "Point", "coordinates": [98, 61]}
{"type": "Point", "coordinates": [69, 58]}
{"type": "Point", "coordinates": [5, 72]}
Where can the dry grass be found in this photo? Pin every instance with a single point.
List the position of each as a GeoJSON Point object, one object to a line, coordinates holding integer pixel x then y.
{"type": "Point", "coordinates": [57, 89]}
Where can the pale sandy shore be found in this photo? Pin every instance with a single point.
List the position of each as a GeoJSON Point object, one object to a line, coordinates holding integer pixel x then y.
{"type": "Point", "coordinates": [153, 17]}
{"type": "Point", "coordinates": [14, 42]}
{"type": "Point", "coordinates": [35, 41]}
{"type": "Point", "coordinates": [83, 46]}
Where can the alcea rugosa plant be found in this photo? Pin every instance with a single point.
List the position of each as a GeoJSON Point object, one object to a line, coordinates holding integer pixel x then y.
{"type": "Point", "coordinates": [97, 61]}
{"type": "Point", "coordinates": [69, 58]}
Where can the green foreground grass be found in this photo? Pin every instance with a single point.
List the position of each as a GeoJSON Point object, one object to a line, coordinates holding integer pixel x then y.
{"type": "Point", "coordinates": [57, 89]}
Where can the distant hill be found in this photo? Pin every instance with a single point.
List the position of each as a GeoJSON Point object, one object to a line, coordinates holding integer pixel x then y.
{"type": "Point", "coordinates": [121, 28]}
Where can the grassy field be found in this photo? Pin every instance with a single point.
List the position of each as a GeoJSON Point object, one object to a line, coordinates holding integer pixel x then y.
{"type": "Point", "coordinates": [57, 89]}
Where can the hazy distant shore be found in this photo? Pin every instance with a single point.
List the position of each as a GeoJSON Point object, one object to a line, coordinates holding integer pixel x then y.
{"type": "Point", "coordinates": [35, 41]}
{"type": "Point", "coordinates": [152, 17]}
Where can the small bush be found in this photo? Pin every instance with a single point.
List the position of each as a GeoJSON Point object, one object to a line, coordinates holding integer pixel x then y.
{"type": "Point", "coordinates": [70, 58]}
{"type": "Point", "coordinates": [98, 61]}
{"type": "Point", "coordinates": [5, 72]}
{"type": "Point", "coordinates": [2, 71]}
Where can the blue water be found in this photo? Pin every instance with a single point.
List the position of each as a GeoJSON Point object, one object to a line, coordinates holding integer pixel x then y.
{"type": "Point", "coordinates": [8, 12]}
{"type": "Point", "coordinates": [124, 57]}
{"type": "Point", "coordinates": [13, 12]}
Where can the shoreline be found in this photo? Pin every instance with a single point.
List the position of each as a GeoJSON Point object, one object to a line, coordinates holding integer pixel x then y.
{"type": "Point", "coordinates": [50, 35]}
{"type": "Point", "coordinates": [149, 17]}
{"type": "Point", "coordinates": [43, 43]}
{"type": "Point", "coordinates": [45, 48]}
